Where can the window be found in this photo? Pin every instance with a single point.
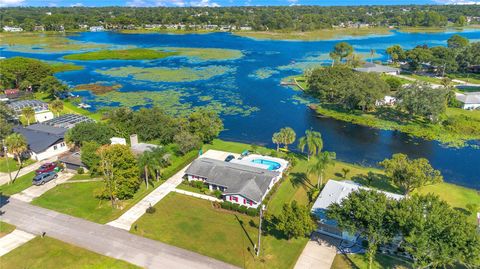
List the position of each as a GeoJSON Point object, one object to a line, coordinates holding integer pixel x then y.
{"type": "Point", "coordinates": [235, 199]}
{"type": "Point", "coordinates": [55, 147]}
{"type": "Point", "coordinates": [244, 201]}
{"type": "Point", "coordinates": [250, 202]}
{"type": "Point", "coordinates": [230, 198]}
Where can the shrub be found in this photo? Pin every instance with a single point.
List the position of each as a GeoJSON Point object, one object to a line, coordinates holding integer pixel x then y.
{"type": "Point", "coordinates": [252, 212]}
{"type": "Point", "coordinates": [217, 194]}
{"type": "Point", "coordinates": [197, 184]}
{"type": "Point", "coordinates": [150, 210]}
{"type": "Point", "coordinates": [235, 207]}
{"type": "Point", "coordinates": [80, 171]}
{"type": "Point", "coordinates": [242, 209]}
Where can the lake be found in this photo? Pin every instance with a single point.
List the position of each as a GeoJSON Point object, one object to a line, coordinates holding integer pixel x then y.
{"type": "Point", "coordinates": [247, 92]}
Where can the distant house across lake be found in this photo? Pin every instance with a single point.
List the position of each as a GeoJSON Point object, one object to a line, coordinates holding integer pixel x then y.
{"type": "Point", "coordinates": [469, 100]}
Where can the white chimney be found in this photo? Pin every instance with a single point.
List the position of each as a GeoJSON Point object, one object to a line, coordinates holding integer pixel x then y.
{"type": "Point", "coordinates": [133, 139]}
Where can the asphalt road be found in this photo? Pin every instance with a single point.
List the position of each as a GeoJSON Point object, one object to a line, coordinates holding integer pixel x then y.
{"type": "Point", "coordinates": [102, 239]}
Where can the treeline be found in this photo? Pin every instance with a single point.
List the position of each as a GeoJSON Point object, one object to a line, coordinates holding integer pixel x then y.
{"type": "Point", "coordinates": [459, 56]}
{"type": "Point", "coordinates": [302, 18]}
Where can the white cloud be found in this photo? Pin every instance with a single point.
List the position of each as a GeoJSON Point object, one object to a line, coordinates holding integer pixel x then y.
{"type": "Point", "coordinates": [204, 3]}
{"type": "Point", "coordinates": [6, 3]}
{"type": "Point", "coordinates": [136, 3]}
{"type": "Point", "coordinates": [77, 5]}
{"type": "Point", "coordinates": [458, 2]}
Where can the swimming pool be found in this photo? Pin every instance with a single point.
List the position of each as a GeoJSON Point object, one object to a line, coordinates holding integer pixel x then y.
{"type": "Point", "coordinates": [271, 164]}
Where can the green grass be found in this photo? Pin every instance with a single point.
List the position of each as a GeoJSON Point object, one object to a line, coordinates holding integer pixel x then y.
{"type": "Point", "coordinates": [458, 197]}
{"type": "Point", "coordinates": [5, 228]}
{"type": "Point", "coordinates": [467, 77]}
{"type": "Point", "coordinates": [322, 34]}
{"type": "Point", "coordinates": [391, 119]}
{"type": "Point", "coordinates": [424, 78]}
{"type": "Point", "coordinates": [12, 164]}
{"type": "Point", "coordinates": [195, 225]}
{"type": "Point", "coordinates": [355, 261]}
{"type": "Point", "coordinates": [126, 54]}
{"type": "Point", "coordinates": [51, 253]}
{"type": "Point", "coordinates": [82, 177]}
{"type": "Point", "coordinates": [20, 184]}
{"type": "Point", "coordinates": [78, 199]}
{"type": "Point", "coordinates": [69, 107]}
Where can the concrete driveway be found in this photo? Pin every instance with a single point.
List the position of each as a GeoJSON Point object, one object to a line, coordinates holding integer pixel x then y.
{"type": "Point", "coordinates": [25, 170]}
{"type": "Point", "coordinates": [319, 253]}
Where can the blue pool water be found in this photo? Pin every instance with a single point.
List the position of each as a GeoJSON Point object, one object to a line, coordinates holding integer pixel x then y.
{"type": "Point", "coordinates": [275, 106]}
{"type": "Point", "coordinates": [271, 164]}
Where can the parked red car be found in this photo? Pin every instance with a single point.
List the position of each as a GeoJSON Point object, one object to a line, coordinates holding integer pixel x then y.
{"type": "Point", "coordinates": [45, 168]}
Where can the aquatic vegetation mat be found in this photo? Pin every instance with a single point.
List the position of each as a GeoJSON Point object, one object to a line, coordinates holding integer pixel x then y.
{"type": "Point", "coordinates": [206, 54]}
{"type": "Point", "coordinates": [164, 74]}
{"type": "Point", "coordinates": [98, 88]}
{"type": "Point", "coordinates": [264, 73]}
{"type": "Point", "coordinates": [44, 43]}
{"type": "Point", "coordinates": [126, 54]}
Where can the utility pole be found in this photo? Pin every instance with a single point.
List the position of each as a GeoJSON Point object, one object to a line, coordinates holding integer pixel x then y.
{"type": "Point", "coordinates": [262, 208]}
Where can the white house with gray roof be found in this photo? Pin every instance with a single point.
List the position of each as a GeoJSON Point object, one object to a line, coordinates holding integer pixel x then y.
{"type": "Point", "coordinates": [44, 141]}
{"type": "Point", "coordinates": [378, 68]}
{"type": "Point", "coordinates": [469, 100]}
{"type": "Point", "coordinates": [334, 192]}
{"type": "Point", "coordinates": [239, 183]}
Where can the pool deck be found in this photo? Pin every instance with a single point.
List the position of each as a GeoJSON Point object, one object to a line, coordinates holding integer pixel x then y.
{"type": "Point", "coordinates": [248, 160]}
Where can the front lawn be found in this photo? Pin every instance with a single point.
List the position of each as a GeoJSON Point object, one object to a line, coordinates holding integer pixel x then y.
{"type": "Point", "coordinates": [79, 199]}
{"type": "Point", "coordinates": [20, 184]}
{"type": "Point", "coordinates": [12, 164]}
{"type": "Point", "coordinates": [5, 228]}
{"type": "Point", "coordinates": [355, 261]}
{"type": "Point", "coordinates": [51, 253]}
{"type": "Point", "coordinates": [194, 224]}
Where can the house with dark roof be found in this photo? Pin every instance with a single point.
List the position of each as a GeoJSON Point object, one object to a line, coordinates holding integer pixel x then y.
{"type": "Point", "coordinates": [44, 141]}
{"type": "Point", "coordinates": [72, 161]}
{"type": "Point", "coordinates": [378, 68]}
{"type": "Point", "coordinates": [242, 184]}
{"type": "Point", "coordinates": [469, 100]}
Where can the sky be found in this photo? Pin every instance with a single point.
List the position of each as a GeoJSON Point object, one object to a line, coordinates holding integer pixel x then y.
{"type": "Point", "coordinates": [182, 3]}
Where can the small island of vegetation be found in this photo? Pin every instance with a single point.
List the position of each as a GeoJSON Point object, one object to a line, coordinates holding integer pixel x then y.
{"type": "Point", "coordinates": [126, 54]}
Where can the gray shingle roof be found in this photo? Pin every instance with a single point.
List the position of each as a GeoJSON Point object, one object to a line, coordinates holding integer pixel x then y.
{"type": "Point", "coordinates": [72, 158]}
{"type": "Point", "coordinates": [40, 137]}
{"type": "Point", "coordinates": [250, 182]}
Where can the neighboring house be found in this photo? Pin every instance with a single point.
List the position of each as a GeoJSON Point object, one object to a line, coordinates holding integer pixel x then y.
{"type": "Point", "coordinates": [67, 120]}
{"type": "Point", "coordinates": [140, 148]}
{"type": "Point", "coordinates": [72, 161]}
{"type": "Point", "coordinates": [38, 28]}
{"type": "Point", "coordinates": [118, 141]}
{"type": "Point", "coordinates": [334, 192]}
{"type": "Point", "coordinates": [96, 28]}
{"type": "Point", "coordinates": [469, 100]}
{"type": "Point", "coordinates": [387, 101]}
{"type": "Point", "coordinates": [12, 29]}
{"type": "Point", "coordinates": [378, 68]}
{"type": "Point", "coordinates": [44, 141]}
{"type": "Point", "coordinates": [12, 93]}
{"type": "Point", "coordinates": [41, 109]}
{"type": "Point", "coordinates": [239, 183]}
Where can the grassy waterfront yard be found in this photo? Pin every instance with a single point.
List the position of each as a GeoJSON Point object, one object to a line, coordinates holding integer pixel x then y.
{"type": "Point", "coordinates": [51, 253]}
{"type": "Point", "coordinates": [359, 261]}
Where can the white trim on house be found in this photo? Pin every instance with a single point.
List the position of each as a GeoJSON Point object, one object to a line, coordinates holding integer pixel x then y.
{"type": "Point", "coordinates": [54, 150]}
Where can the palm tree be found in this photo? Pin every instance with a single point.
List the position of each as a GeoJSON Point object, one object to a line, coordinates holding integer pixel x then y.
{"type": "Point", "coordinates": [287, 136]}
{"type": "Point", "coordinates": [313, 141]}
{"type": "Point", "coordinates": [162, 160]}
{"type": "Point", "coordinates": [147, 163]}
{"type": "Point", "coordinates": [28, 113]}
{"type": "Point", "coordinates": [276, 139]}
{"type": "Point", "coordinates": [318, 168]}
{"type": "Point", "coordinates": [16, 145]}
{"type": "Point", "coordinates": [56, 106]}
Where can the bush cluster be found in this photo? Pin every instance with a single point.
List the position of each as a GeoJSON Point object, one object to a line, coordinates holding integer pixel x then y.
{"type": "Point", "coordinates": [239, 208]}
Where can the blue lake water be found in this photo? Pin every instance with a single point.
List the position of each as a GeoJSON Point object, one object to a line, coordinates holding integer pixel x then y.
{"type": "Point", "coordinates": [272, 106]}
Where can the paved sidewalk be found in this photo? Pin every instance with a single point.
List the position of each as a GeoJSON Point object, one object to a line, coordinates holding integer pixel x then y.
{"type": "Point", "coordinates": [13, 240]}
{"type": "Point", "coordinates": [126, 220]}
{"type": "Point", "coordinates": [33, 192]}
{"type": "Point", "coordinates": [4, 178]}
{"type": "Point", "coordinates": [319, 253]}
{"type": "Point", "coordinates": [197, 195]}
{"type": "Point", "coordinates": [103, 239]}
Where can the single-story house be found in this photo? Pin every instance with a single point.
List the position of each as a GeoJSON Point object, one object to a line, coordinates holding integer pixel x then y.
{"type": "Point", "coordinates": [67, 120]}
{"type": "Point", "coordinates": [469, 100]}
{"type": "Point", "coordinates": [378, 68]}
{"type": "Point", "coordinates": [44, 141]}
{"type": "Point", "coordinates": [239, 183]}
{"type": "Point", "coordinates": [72, 161]}
{"type": "Point", "coordinates": [334, 192]}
